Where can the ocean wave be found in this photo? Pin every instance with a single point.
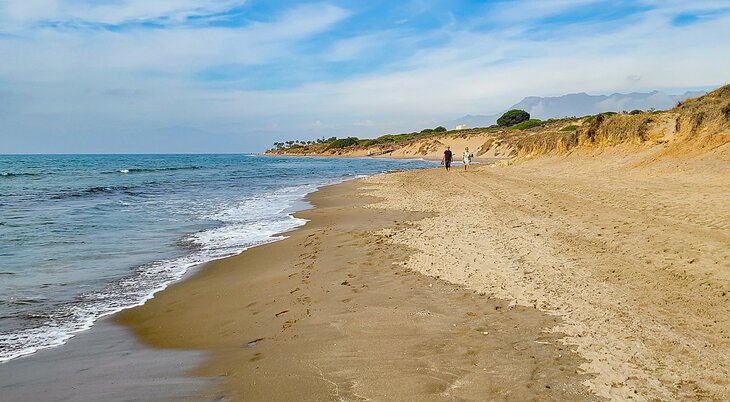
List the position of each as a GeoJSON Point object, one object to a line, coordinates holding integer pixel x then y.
{"type": "Point", "coordinates": [95, 191]}
{"type": "Point", "coordinates": [22, 174]}
{"type": "Point", "coordinates": [159, 169]}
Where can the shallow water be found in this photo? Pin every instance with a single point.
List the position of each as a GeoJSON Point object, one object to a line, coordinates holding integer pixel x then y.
{"type": "Point", "coordinates": [83, 236]}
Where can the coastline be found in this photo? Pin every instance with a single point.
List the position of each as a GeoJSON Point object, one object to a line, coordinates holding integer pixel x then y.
{"type": "Point", "coordinates": [385, 293]}
{"type": "Point", "coordinates": [331, 312]}
{"type": "Point", "coordinates": [191, 231]}
{"type": "Point", "coordinates": [353, 298]}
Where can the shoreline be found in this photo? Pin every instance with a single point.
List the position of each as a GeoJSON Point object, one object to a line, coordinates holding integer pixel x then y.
{"type": "Point", "coordinates": [184, 273]}
{"type": "Point", "coordinates": [316, 316]}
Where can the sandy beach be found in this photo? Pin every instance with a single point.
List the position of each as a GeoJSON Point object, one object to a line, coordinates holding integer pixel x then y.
{"type": "Point", "coordinates": [596, 276]}
{"type": "Point", "coordinates": [332, 313]}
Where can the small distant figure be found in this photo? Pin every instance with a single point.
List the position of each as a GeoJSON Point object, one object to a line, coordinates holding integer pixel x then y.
{"type": "Point", "coordinates": [467, 158]}
{"type": "Point", "coordinates": [448, 157]}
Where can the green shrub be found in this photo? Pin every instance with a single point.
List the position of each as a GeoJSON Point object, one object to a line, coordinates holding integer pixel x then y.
{"type": "Point", "coordinates": [440, 129]}
{"type": "Point", "coordinates": [569, 128]}
{"type": "Point", "coordinates": [528, 124]}
{"type": "Point", "coordinates": [636, 111]}
{"type": "Point", "coordinates": [342, 143]}
{"type": "Point", "coordinates": [609, 113]}
{"type": "Point", "coordinates": [512, 117]}
{"type": "Point", "coordinates": [369, 143]}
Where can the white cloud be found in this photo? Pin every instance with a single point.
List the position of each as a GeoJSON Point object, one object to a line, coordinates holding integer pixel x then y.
{"type": "Point", "coordinates": [109, 83]}
{"type": "Point", "coordinates": [354, 47]}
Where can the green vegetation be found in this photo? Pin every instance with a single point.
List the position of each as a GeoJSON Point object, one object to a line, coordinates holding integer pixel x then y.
{"type": "Point", "coordinates": [512, 117]}
{"type": "Point", "coordinates": [527, 124]}
{"type": "Point", "coordinates": [569, 128]}
{"type": "Point", "coordinates": [636, 111]}
{"type": "Point", "coordinates": [392, 138]}
{"type": "Point", "coordinates": [342, 143]}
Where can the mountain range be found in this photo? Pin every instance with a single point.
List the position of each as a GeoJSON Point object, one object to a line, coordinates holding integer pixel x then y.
{"type": "Point", "coordinates": [581, 104]}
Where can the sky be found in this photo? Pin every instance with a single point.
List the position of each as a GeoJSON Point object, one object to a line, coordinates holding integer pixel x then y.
{"type": "Point", "coordinates": [168, 76]}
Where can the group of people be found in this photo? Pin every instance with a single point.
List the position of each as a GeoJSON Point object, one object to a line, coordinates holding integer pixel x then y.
{"type": "Point", "coordinates": [449, 157]}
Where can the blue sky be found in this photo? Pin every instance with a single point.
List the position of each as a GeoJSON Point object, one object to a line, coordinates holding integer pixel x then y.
{"type": "Point", "coordinates": [235, 75]}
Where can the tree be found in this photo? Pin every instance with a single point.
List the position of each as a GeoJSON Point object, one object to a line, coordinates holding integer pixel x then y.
{"type": "Point", "coordinates": [512, 117]}
{"type": "Point", "coordinates": [636, 111]}
{"type": "Point", "coordinates": [440, 129]}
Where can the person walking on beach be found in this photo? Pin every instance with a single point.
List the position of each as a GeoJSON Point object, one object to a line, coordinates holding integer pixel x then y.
{"type": "Point", "coordinates": [467, 158]}
{"type": "Point", "coordinates": [448, 156]}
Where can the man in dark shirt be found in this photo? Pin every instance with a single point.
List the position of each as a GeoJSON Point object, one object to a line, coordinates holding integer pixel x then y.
{"type": "Point", "coordinates": [446, 160]}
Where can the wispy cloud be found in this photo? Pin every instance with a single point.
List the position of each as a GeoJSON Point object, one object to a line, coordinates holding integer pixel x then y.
{"type": "Point", "coordinates": [24, 13]}
{"type": "Point", "coordinates": [248, 72]}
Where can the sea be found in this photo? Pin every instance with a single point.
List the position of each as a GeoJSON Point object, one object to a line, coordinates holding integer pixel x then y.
{"type": "Point", "coordinates": [85, 236]}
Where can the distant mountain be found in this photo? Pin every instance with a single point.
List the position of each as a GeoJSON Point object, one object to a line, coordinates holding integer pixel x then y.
{"type": "Point", "coordinates": [472, 121]}
{"type": "Point", "coordinates": [581, 104]}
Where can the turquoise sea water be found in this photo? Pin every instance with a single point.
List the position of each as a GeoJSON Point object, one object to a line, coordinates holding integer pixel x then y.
{"type": "Point", "coordinates": [83, 236]}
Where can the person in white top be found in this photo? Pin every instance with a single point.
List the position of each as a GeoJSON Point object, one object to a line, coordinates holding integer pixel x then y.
{"type": "Point", "coordinates": [467, 158]}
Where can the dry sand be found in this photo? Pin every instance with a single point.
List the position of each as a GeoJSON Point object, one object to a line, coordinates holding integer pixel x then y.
{"type": "Point", "coordinates": [634, 255]}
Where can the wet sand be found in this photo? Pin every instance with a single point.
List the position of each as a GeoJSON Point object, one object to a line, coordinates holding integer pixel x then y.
{"type": "Point", "coordinates": [333, 313]}
{"type": "Point", "coordinates": [106, 363]}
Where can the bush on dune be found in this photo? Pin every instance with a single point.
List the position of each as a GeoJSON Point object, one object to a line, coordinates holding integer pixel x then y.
{"type": "Point", "coordinates": [343, 142]}
{"type": "Point", "coordinates": [527, 124]}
